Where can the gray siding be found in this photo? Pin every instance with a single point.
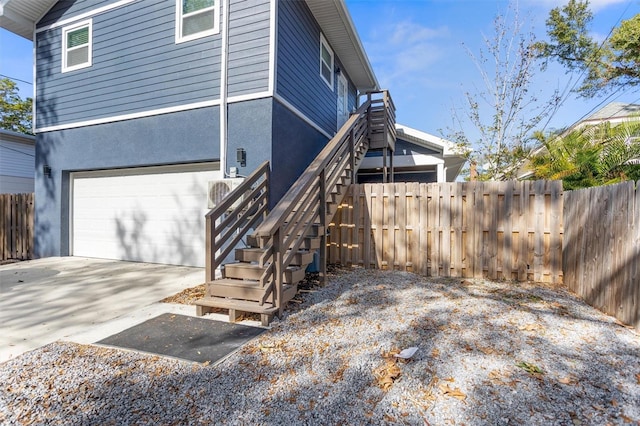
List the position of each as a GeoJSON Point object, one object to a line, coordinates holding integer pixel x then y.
{"type": "Point", "coordinates": [136, 66]}
{"type": "Point", "coordinates": [15, 185]}
{"type": "Point", "coordinates": [249, 39]}
{"type": "Point", "coordinates": [295, 146]}
{"type": "Point", "coordinates": [17, 159]}
{"type": "Point", "coordinates": [182, 137]}
{"type": "Point", "coordinates": [298, 66]}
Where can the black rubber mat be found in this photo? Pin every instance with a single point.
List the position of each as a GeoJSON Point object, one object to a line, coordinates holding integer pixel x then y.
{"type": "Point", "coordinates": [180, 336]}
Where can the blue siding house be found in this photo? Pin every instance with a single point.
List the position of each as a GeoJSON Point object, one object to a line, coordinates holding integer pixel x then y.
{"type": "Point", "coordinates": [140, 104]}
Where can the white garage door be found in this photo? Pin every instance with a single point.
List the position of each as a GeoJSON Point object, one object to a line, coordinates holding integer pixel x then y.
{"type": "Point", "coordinates": [151, 214]}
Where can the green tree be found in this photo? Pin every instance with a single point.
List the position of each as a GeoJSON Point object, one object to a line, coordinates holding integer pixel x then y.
{"type": "Point", "coordinates": [494, 127]}
{"type": "Point", "coordinates": [594, 155]}
{"type": "Point", "coordinates": [15, 113]}
{"type": "Point", "coordinates": [607, 65]}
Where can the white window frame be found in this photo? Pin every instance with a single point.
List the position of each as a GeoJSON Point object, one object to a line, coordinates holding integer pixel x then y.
{"type": "Point", "coordinates": [65, 32]}
{"type": "Point", "coordinates": [325, 44]}
{"type": "Point", "coordinates": [180, 19]}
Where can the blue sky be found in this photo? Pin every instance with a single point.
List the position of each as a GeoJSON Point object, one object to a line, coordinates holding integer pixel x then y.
{"type": "Point", "coordinates": [416, 49]}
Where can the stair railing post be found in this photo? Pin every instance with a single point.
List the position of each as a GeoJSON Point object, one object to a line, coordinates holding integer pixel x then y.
{"type": "Point", "coordinates": [352, 153]}
{"type": "Point", "coordinates": [322, 183]}
{"type": "Point", "coordinates": [210, 272]}
{"type": "Point", "coordinates": [267, 178]}
{"type": "Point", "coordinates": [277, 261]}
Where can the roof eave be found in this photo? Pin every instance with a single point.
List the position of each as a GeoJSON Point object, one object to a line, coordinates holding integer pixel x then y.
{"type": "Point", "coordinates": [334, 12]}
{"type": "Point", "coordinates": [20, 16]}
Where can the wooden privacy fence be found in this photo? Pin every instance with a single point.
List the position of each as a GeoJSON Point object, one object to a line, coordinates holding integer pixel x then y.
{"type": "Point", "coordinates": [498, 230]}
{"type": "Point", "coordinates": [16, 226]}
{"type": "Point", "coordinates": [601, 249]}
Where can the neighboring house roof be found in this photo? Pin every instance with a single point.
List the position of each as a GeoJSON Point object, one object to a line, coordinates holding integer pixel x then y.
{"type": "Point", "coordinates": [614, 113]}
{"type": "Point", "coordinates": [11, 136]}
{"type": "Point", "coordinates": [431, 153]}
{"type": "Point", "coordinates": [21, 16]}
{"type": "Point", "coordinates": [453, 161]}
{"type": "Point", "coordinates": [17, 162]}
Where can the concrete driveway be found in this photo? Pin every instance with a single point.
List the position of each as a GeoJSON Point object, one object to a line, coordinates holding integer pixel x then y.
{"type": "Point", "coordinates": [83, 300]}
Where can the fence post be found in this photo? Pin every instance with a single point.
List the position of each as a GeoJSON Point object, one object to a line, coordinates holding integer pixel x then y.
{"type": "Point", "coordinates": [277, 260]}
{"type": "Point", "coordinates": [323, 222]}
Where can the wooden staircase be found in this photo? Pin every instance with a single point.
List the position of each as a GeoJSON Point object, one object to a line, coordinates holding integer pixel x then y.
{"type": "Point", "coordinates": [265, 274]}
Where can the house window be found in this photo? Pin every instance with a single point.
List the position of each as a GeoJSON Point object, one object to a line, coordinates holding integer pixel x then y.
{"type": "Point", "coordinates": [196, 18]}
{"type": "Point", "coordinates": [76, 46]}
{"type": "Point", "coordinates": [326, 62]}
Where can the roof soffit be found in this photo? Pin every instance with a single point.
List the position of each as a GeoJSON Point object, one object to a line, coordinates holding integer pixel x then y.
{"type": "Point", "coordinates": [20, 16]}
{"type": "Point", "coordinates": [338, 28]}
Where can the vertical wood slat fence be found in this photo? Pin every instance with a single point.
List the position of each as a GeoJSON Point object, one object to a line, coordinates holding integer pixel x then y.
{"type": "Point", "coordinates": [601, 248]}
{"type": "Point", "coordinates": [16, 226]}
{"type": "Point", "coordinates": [498, 230]}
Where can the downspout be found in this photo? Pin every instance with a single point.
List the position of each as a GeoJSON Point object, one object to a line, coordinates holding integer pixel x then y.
{"type": "Point", "coordinates": [223, 87]}
{"type": "Point", "coordinates": [35, 82]}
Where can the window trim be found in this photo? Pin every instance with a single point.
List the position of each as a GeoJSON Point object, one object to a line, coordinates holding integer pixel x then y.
{"type": "Point", "coordinates": [180, 20]}
{"type": "Point", "coordinates": [325, 44]}
{"type": "Point", "coordinates": [65, 50]}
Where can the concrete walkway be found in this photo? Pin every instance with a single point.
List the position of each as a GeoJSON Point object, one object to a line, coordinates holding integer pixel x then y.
{"type": "Point", "coordinates": [83, 300]}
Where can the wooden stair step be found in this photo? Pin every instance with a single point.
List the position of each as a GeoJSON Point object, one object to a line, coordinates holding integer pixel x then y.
{"type": "Point", "coordinates": [240, 289]}
{"type": "Point", "coordinates": [309, 242]}
{"type": "Point", "coordinates": [250, 271]}
{"type": "Point", "coordinates": [254, 254]}
{"type": "Point", "coordinates": [266, 311]}
{"type": "Point", "coordinates": [241, 305]}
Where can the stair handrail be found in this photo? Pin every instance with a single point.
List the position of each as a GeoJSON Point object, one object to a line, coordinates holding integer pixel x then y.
{"type": "Point", "coordinates": [236, 221]}
{"type": "Point", "coordinates": [284, 229]}
{"type": "Point", "coordinates": [280, 212]}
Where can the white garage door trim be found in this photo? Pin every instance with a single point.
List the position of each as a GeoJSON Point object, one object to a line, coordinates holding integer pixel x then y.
{"type": "Point", "coordinates": [146, 214]}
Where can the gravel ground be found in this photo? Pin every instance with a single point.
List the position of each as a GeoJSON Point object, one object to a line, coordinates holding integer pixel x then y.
{"type": "Point", "coordinates": [487, 353]}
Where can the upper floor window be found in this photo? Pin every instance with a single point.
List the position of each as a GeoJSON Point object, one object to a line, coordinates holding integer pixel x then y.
{"type": "Point", "coordinates": [76, 46]}
{"type": "Point", "coordinates": [326, 62]}
{"type": "Point", "coordinates": [196, 18]}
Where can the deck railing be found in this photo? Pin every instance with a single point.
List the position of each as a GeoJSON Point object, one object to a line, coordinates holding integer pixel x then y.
{"type": "Point", "coordinates": [228, 222]}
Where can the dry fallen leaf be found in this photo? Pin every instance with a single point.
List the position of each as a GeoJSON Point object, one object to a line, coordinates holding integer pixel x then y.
{"type": "Point", "coordinates": [569, 380]}
{"type": "Point", "coordinates": [486, 351]}
{"type": "Point", "coordinates": [453, 392]}
{"type": "Point", "coordinates": [531, 327]}
{"type": "Point", "coordinates": [638, 378]}
{"type": "Point", "coordinates": [386, 374]}
{"type": "Point", "coordinates": [626, 419]}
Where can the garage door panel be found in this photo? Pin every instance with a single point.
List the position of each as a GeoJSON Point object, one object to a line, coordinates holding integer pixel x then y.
{"type": "Point", "coordinates": [154, 217]}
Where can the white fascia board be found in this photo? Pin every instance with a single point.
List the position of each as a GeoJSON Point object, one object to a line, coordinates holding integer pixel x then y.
{"type": "Point", "coordinates": [150, 113]}
{"type": "Point", "coordinates": [131, 116]}
{"type": "Point", "coordinates": [403, 161]}
{"type": "Point", "coordinates": [357, 43]}
{"type": "Point", "coordinates": [86, 15]}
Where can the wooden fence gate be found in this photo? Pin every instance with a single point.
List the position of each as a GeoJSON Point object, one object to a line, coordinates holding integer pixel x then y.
{"type": "Point", "coordinates": [16, 226]}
